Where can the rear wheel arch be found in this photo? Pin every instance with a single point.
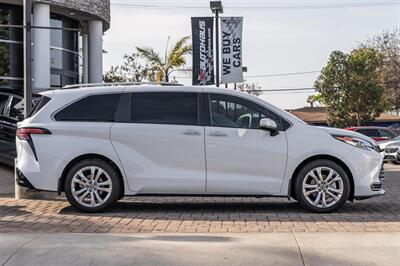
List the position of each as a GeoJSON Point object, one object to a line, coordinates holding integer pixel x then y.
{"type": "Point", "coordinates": [60, 186]}
{"type": "Point", "coordinates": [319, 157]}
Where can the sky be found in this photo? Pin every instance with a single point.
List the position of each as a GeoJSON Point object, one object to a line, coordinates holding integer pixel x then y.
{"type": "Point", "coordinates": [278, 36]}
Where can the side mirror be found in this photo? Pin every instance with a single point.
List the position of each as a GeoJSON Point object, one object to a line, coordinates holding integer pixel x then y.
{"type": "Point", "coordinates": [269, 125]}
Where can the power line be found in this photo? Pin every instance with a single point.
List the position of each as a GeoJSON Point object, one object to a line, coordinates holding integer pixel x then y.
{"type": "Point", "coordinates": [283, 74]}
{"type": "Point", "coordinates": [284, 90]}
{"type": "Point", "coordinates": [272, 75]}
{"type": "Point", "coordinates": [280, 6]}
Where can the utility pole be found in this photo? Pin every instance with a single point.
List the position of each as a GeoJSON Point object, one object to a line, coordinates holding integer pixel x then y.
{"type": "Point", "coordinates": [216, 8]}
{"type": "Point", "coordinates": [27, 57]}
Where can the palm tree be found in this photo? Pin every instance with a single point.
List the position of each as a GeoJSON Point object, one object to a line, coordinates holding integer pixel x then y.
{"type": "Point", "coordinates": [173, 60]}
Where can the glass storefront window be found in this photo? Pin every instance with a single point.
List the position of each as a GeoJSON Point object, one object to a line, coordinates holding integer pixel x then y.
{"type": "Point", "coordinates": [11, 47]}
{"type": "Point", "coordinates": [64, 49]}
{"type": "Point", "coordinates": [64, 52]}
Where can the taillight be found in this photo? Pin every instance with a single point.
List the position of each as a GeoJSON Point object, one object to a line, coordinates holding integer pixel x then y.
{"type": "Point", "coordinates": [25, 133]}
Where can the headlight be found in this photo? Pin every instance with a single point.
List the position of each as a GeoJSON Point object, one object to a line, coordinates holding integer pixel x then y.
{"type": "Point", "coordinates": [356, 142]}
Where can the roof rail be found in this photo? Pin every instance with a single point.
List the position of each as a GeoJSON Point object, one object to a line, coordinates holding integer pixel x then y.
{"type": "Point", "coordinates": [89, 85]}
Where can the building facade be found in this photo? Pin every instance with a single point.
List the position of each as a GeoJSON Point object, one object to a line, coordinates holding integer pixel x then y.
{"type": "Point", "coordinates": [318, 116]}
{"type": "Point", "coordinates": [66, 42]}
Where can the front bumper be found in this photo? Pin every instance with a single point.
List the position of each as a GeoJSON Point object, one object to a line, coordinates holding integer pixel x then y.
{"type": "Point", "coordinates": [368, 173]}
{"type": "Point", "coordinates": [390, 157]}
{"type": "Point", "coordinates": [376, 186]}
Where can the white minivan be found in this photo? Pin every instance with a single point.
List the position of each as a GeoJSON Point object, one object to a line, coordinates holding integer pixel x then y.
{"type": "Point", "coordinates": [101, 143]}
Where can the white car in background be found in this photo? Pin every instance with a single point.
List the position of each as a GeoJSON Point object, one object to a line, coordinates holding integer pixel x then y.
{"type": "Point", "coordinates": [98, 144]}
{"type": "Point", "coordinates": [391, 150]}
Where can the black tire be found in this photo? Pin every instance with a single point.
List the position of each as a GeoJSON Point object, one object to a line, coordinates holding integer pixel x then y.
{"type": "Point", "coordinates": [303, 174]}
{"type": "Point", "coordinates": [109, 170]}
{"type": "Point", "coordinates": [396, 162]}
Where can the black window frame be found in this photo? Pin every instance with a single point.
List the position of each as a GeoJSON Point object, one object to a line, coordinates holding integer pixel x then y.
{"type": "Point", "coordinates": [245, 102]}
{"type": "Point", "coordinates": [114, 120]}
{"type": "Point", "coordinates": [131, 102]}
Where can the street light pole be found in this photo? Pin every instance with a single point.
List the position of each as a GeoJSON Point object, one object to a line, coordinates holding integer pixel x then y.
{"type": "Point", "coordinates": [20, 192]}
{"type": "Point", "coordinates": [216, 7]}
{"type": "Point", "coordinates": [217, 46]}
{"type": "Point", "coordinates": [27, 57]}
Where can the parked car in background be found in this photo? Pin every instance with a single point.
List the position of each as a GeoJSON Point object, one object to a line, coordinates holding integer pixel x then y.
{"type": "Point", "coordinates": [395, 127]}
{"type": "Point", "coordinates": [11, 112]}
{"type": "Point", "coordinates": [376, 133]}
{"type": "Point", "coordinates": [98, 144]}
{"type": "Point", "coordinates": [390, 150]}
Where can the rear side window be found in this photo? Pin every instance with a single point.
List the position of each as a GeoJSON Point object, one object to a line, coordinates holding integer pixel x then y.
{"type": "Point", "coordinates": [38, 104]}
{"type": "Point", "coordinates": [178, 108]}
{"type": "Point", "coordinates": [94, 108]}
{"type": "Point", "coordinates": [372, 133]}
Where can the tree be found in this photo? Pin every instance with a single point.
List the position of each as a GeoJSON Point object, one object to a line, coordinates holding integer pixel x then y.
{"type": "Point", "coordinates": [132, 70]}
{"type": "Point", "coordinates": [312, 99]}
{"type": "Point", "coordinates": [350, 87]}
{"type": "Point", "coordinates": [388, 44]}
{"type": "Point", "coordinates": [250, 88]}
{"type": "Point", "coordinates": [173, 60]}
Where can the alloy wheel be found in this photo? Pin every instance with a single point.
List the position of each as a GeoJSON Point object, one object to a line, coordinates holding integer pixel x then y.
{"type": "Point", "coordinates": [91, 186]}
{"type": "Point", "coordinates": [323, 187]}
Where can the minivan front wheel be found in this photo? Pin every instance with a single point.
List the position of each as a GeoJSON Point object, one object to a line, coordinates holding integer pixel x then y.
{"type": "Point", "coordinates": [92, 185]}
{"type": "Point", "coordinates": [322, 186]}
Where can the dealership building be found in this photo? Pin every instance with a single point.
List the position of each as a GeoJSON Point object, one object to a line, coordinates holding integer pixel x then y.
{"type": "Point", "coordinates": [66, 43]}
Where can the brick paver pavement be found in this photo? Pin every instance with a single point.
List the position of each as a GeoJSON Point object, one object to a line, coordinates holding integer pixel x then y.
{"type": "Point", "coordinates": [192, 214]}
{"type": "Point", "coordinates": [6, 180]}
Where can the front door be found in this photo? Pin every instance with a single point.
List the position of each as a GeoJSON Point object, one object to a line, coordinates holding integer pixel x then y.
{"type": "Point", "coordinates": [241, 157]}
{"type": "Point", "coordinates": [162, 146]}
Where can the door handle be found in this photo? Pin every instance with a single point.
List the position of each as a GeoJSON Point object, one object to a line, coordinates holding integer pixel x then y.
{"type": "Point", "coordinates": [217, 134]}
{"type": "Point", "coordinates": [191, 132]}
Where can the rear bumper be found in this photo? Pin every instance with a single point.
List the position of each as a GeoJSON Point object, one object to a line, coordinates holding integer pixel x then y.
{"type": "Point", "coordinates": [22, 181]}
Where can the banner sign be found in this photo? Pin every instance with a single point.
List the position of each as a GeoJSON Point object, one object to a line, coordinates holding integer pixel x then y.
{"type": "Point", "coordinates": [231, 49]}
{"type": "Point", "coordinates": [203, 51]}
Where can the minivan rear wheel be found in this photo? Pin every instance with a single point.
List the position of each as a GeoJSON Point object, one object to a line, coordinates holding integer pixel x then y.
{"type": "Point", "coordinates": [92, 185]}
{"type": "Point", "coordinates": [322, 186]}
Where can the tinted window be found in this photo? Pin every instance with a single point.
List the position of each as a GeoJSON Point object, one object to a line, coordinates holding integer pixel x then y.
{"type": "Point", "coordinates": [372, 133]}
{"type": "Point", "coordinates": [180, 108]}
{"type": "Point", "coordinates": [230, 111]}
{"type": "Point", "coordinates": [95, 108]}
{"type": "Point", "coordinates": [3, 102]}
{"type": "Point", "coordinates": [386, 134]}
{"type": "Point", "coordinates": [16, 109]}
{"type": "Point", "coordinates": [38, 104]}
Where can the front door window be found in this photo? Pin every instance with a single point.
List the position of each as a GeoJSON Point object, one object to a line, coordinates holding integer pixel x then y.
{"type": "Point", "coordinates": [235, 112]}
